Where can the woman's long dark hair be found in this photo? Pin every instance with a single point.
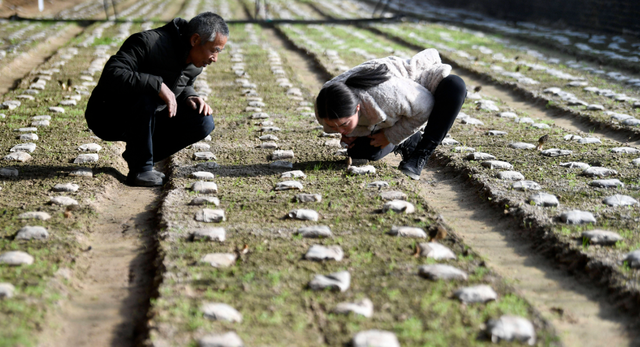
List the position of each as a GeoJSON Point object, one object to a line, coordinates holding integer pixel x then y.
{"type": "Point", "coordinates": [338, 101]}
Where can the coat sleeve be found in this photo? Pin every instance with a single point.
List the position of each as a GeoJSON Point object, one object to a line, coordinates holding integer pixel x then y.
{"type": "Point", "coordinates": [407, 103]}
{"type": "Point", "coordinates": [122, 70]}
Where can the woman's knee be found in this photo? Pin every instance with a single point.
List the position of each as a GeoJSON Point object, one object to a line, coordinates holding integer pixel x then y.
{"type": "Point", "coordinates": [452, 86]}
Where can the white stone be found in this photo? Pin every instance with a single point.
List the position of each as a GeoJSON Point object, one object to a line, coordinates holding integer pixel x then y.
{"type": "Point", "coordinates": [441, 272]}
{"type": "Point", "coordinates": [319, 253]}
{"type": "Point", "coordinates": [86, 158]}
{"type": "Point", "coordinates": [589, 140]}
{"type": "Point", "coordinates": [436, 251]}
{"type": "Point", "coordinates": [361, 170]}
{"type": "Point", "coordinates": [56, 109]}
{"type": "Point", "coordinates": [315, 231]}
{"type": "Point", "coordinates": [308, 198]}
{"type": "Point", "coordinates": [595, 107]}
{"type": "Point", "coordinates": [472, 121]}
{"type": "Point", "coordinates": [202, 175]}
{"type": "Point", "coordinates": [6, 290]}
{"type": "Point", "coordinates": [66, 187]}
{"type": "Point", "coordinates": [334, 281]}
{"type": "Point", "coordinates": [524, 120]}
{"type": "Point", "coordinates": [476, 294]}
{"type": "Point", "coordinates": [544, 199]}
{"type": "Point", "coordinates": [43, 117]}
{"type": "Point", "coordinates": [449, 142]}
{"type": "Point", "coordinates": [24, 147]}
{"type": "Point", "coordinates": [82, 172]}
{"type": "Point", "coordinates": [510, 328]}
{"type": "Point", "coordinates": [68, 102]}
{"type": "Point", "coordinates": [209, 234]}
{"type": "Point", "coordinates": [90, 147]}
{"type": "Point", "coordinates": [219, 259]}
{"type": "Point", "coordinates": [480, 156]}
{"type": "Point", "coordinates": [393, 195]}
{"type": "Point", "coordinates": [333, 143]}
{"type": "Point", "coordinates": [596, 171]}
{"type": "Point", "coordinates": [268, 145]}
{"type": "Point", "coordinates": [496, 133]}
{"type": "Point", "coordinates": [575, 165]}
{"type": "Point", "coordinates": [577, 217]}
{"type": "Point", "coordinates": [208, 215]}
{"type": "Point", "coordinates": [293, 174]}
{"type": "Point", "coordinates": [203, 200]}
{"type": "Point", "coordinates": [205, 187]}
{"type": "Point", "coordinates": [201, 147]}
{"type": "Point", "coordinates": [28, 137]}
{"type": "Point", "coordinates": [279, 155]}
{"type": "Point", "coordinates": [540, 126]}
{"type": "Point", "coordinates": [220, 311]}
{"type": "Point", "coordinates": [399, 206]}
{"type": "Point", "coordinates": [32, 233]}
{"type": "Point", "coordinates": [526, 185]}
{"type": "Point", "coordinates": [8, 172]}
{"type": "Point", "coordinates": [556, 152]}
{"type": "Point", "coordinates": [268, 138]}
{"type": "Point", "coordinates": [620, 200]}
{"type": "Point", "coordinates": [509, 115]}
{"type": "Point", "coordinates": [633, 259]}
{"type": "Point", "coordinates": [10, 105]}
{"type": "Point", "coordinates": [610, 183]}
{"type": "Point", "coordinates": [288, 185]}
{"type": "Point", "coordinates": [408, 232]}
{"type": "Point", "coordinates": [497, 164]}
{"type": "Point", "coordinates": [229, 339]}
{"type": "Point", "coordinates": [63, 201]}
{"type": "Point", "coordinates": [625, 150]}
{"type": "Point", "coordinates": [260, 115]}
{"type": "Point", "coordinates": [636, 162]}
{"type": "Point", "coordinates": [29, 129]}
{"type": "Point", "coordinates": [15, 258]}
{"type": "Point", "coordinates": [204, 156]}
{"type": "Point", "coordinates": [462, 149]}
{"type": "Point", "coordinates": [40, 123]}
{"type": "Point", "coordinates": [602, 237]}
{"type": "Point", "coordinates": [510, 176]}
{"type": "Point", "coordinates": [304, 214]}
{"type": "Point", "coordinates": [269, 129]}
{"type": "Point", "coordinates": [34, 215]}
{"type": "Point", "coordinates": [362, 307]}
{"type": "Point", "coordinates": [18, 156]}
{"type": "Point", "coordinates": [378, 184]}
{"type": "Point", "coordinates": [375, 338]}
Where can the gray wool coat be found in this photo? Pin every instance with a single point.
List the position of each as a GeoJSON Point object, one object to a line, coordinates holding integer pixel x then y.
{"type": "Point", "coordinates": [400, 106]}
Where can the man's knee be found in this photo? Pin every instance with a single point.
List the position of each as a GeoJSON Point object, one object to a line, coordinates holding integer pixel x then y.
{"type": "Point", "coordinates": [207, 126]}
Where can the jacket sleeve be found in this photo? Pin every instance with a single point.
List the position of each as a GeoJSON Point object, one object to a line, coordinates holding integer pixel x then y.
{"type": "Point", "coordinates": [188, 90]}
{"type": "Point", "coordinates": [122, 70]}
{"type": "Point", "coordinates": [407, 102]}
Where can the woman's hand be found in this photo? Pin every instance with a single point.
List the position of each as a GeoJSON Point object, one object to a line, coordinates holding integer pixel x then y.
{"type": "Point", "coordinates": [348, 140]}
{"type": "Point", "coordinates": [378, 140]}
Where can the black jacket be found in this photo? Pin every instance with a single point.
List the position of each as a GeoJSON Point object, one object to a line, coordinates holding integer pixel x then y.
{"type": "Point", "coordinates": [145, 60]}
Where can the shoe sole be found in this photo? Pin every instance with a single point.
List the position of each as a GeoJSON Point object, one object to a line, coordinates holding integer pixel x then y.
{"type": "Point", "coordinates": [411, 175]}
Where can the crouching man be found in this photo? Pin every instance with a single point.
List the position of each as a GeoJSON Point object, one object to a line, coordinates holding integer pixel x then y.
{"type": "Point", "coordinates": [145, 95]}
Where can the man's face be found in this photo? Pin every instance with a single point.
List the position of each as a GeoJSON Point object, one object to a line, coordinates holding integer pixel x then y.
{"type": "Point", "coordinates": [203, 55]}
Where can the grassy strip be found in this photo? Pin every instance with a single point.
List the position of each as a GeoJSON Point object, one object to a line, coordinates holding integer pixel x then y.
{"type": "Point", "coordinates": [268, 284]}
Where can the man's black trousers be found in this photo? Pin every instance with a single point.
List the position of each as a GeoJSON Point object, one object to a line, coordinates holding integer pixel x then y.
{"type": "Point", "coordinates": [147, 129]}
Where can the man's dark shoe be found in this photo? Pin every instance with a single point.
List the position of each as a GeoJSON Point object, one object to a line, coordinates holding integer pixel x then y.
{"type": "Point", "coordinates": [144, 179]}
{"type": "Point", "coordinates": [158, 173]}
{"type": "Point", "coordinates": [412, 167]}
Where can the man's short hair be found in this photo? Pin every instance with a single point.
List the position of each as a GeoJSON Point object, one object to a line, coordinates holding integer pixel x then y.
{"type": "Point", "coordinates": [208, 25]}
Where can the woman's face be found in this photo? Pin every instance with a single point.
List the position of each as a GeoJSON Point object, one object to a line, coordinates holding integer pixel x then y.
{"type": "Point", "coordinates": [344, 125]}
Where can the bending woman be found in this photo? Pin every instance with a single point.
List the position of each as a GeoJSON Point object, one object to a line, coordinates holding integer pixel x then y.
{"type": "Point", "coordinates": [381, 105]}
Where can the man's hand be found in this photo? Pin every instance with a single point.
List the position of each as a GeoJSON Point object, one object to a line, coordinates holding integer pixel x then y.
{"type": "Point", "coordinates": [378, 140]}
{"type": "Point", "coordinates": [169, 98]}
{"type": "Point", "coordinates": [348, 140]}
{"type": "Point", "coordinates": [197, 103]}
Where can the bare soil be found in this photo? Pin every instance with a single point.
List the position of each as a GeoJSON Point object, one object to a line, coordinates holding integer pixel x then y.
{"type": "Point", "coordinates": [29, 8]}
{"type": "Point", "coordinates": [12, 73]}
{"type": "Point", "coordinates": [109, 308]}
